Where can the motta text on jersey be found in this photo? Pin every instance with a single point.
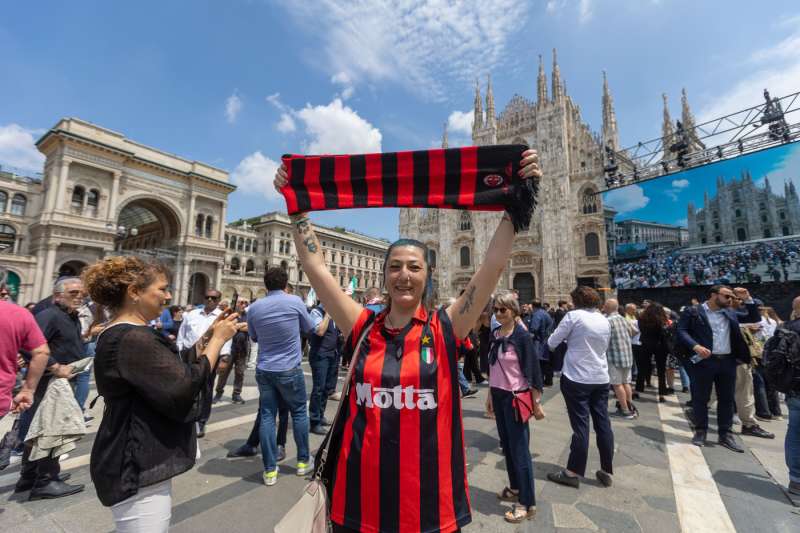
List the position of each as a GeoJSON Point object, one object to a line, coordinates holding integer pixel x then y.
{"type": "Point", "coordinates": [396, 397]}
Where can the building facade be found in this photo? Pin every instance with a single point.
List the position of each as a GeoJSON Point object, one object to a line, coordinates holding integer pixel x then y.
{"type": "Point", "coordinates": [102, 194]}
{"type": "Point", "coordinates": [564, 244]}
{"type": "Point", "coordinates": [743, 211]}
{"type": "Point", "coordinates": [255, 244]}
{"type": "Point", "coordinates": [654, 234]}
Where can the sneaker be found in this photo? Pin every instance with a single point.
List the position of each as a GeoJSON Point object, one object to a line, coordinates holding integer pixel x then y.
{"type": "Point", "coordinates": [242, 451]}
{"type": "Point", "coordinates": [318, 430]}
{"type": "Point", "coordinates": [757, 431]}
{"type": "Point", "coordinates": [699, 438]}
{"type": "Point", "coordinates": [562, 478]}
{"type": "Point", "coordinates": [237, 398]}
{"type": "Point", "coordinates": [470, 392]}
{"type": "Point", "coordinates": [281, 454]}
{"type": "Point", "coordinates": [217, 397]}
{"type": "Point", "coordinates": [324, 422]}
{"type": "Point", "coordinates": [604, 478]}
{"type": "Point", "coordinates": [304, 468]}
{"type": "Point", "coordinates": [270, 478]}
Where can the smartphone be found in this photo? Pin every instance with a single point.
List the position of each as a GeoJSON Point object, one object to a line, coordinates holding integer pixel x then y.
{"type": "Point", "coordinates": [234, 302]}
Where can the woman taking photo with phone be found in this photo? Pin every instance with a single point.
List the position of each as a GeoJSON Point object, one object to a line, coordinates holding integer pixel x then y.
{"type": "Point", "coordinates": [147, 435]}
{"type": "Point", "coordinates": [398, 463]}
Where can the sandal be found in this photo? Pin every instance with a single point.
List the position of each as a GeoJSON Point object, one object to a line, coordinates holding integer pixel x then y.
{"type": "Point", "coordinates": [508, 495]}
{"type": "Point", "coordinates": [518, 514]}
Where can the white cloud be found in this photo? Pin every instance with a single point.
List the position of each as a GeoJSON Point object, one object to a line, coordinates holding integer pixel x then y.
{"type": "Point", "coordinates": [233, 106]}
{"type": "Point", "coordinates": [584, 11]}
{"type": "Point", "coordinates": [585, 8]}
{"type": "Point", "coordinates": [775, 67]}
{"type": "Point", "coordinates": [680, 184]}
{"type": "Point", "coordinates": [337, 129]}
{"type": "Point", "coordinates": [342, 79]}
{"type": "Point", "coordinates": [17, 148]}
{"type": "Point", "coordinates": [627, 199]}
{"type": "Point", "coordinates": [286, 123]}
{"type": "Point", "coordinates": [420, 44]}
{"type": "Point", "coordinates": [459, 129]}
{"type": "Point", "coordinates": [254, 174]}
{"type": "Point", "coordinates": [683, 222]}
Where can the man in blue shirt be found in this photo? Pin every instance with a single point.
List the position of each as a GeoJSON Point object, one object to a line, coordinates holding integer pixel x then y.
{"type": "Point", "coordinates": [322, 356]}
{"type": "Point", "coordinates": [275, 323]}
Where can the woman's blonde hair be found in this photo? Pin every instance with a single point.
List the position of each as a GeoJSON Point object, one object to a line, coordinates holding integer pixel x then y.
{"type": "Point", "coordinates": [508, 300]}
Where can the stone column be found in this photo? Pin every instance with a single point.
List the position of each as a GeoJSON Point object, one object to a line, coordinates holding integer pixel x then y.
{"type": "Point", "coordinates": [221, 222]}
{"type": "Point", "coordinates": [55, 189]}
{"type": "Point", "coordinates": [190, 222]}
{"type": "Point", "coordinates": [62, 184]}
{"type": "Point", "coordinates": [218, 277]}
{"type": "Point", "coordinates": [49, 268]}
{"type": "Point", "coordinates": [112, 198]}
{"type": "Point", "coordinates": [36, 290]}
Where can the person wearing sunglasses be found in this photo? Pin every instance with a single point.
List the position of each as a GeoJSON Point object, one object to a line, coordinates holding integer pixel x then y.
{"type": "Point", "coordinates": [513, 367]}
{"type": "Point", "coordinates": [195, 324]}
{"type": "Point", "coordinates": [711, 330]}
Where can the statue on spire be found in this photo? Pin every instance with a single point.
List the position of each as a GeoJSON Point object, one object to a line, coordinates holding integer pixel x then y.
{"type": "Point", "coordinates": [557, 87]}
{"type": "Point", "coordinates": [610, 133]}
{"type": "Point", "coordinates": [687, 118]}
{"type": "Point", "coordinates": [477, 123]}
{"type": "Point", "coordinates": [444, 136]}
{"type": "Point", "coordinates": [541, 84]}
{"type": "Point", "coordinates": [667, 133]}
{"type": "Point", "coordinates": [490, 116]}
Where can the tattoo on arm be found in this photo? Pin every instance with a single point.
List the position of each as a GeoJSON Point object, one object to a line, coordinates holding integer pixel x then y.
{"type": "Point", "coordinates": [310, 244]}
{"type": "Point", "coordinates": [469, 300]}
{"type": "Point", "coordinates": [304, 229]}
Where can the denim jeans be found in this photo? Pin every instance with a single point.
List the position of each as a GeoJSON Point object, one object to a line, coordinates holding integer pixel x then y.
{"type": "Point", "coordinates": [685, 382]}
{"type": "Point", "coordinates": [289, 386]}
{"type": "Point", "coordinates": [320, 374]}
{"type": "Point", "coordinates": [462, 379]}
{"type": "Point", "coordinates": [515, 439]}
{"type": "Point", "coordinates": [81, 382]}
{"type": "Point", "coordinates": [792, 442]}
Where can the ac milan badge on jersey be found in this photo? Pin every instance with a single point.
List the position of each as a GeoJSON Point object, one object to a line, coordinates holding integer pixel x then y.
{"type": "Point", "coordinates": [426, 350]}
{"type": "Point", "coordinates": [493, 180]}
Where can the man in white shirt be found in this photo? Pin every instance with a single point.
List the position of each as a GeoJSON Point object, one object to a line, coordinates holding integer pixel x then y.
{"type": "Point", "coordinates": [195, 324]}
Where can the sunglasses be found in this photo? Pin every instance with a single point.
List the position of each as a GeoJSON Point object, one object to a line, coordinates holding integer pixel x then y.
{"type": "Point", "coordinates": [4, 295]}
{"type": "Point", "coordinates": [212, 297]}
{"type": "Point", "coordinates": [726, 296]}
{"type": "Point", "coordinates": [500, 309]}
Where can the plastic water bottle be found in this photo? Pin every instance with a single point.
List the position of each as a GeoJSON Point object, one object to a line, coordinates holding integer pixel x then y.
{"type": "Point", "coordinates": [696, 359]}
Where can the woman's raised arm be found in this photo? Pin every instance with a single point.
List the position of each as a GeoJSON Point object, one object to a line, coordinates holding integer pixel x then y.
{"type": "Point", "coordinates": [467, 308]}
{"type": "Point", "coordinates": [343, 309]}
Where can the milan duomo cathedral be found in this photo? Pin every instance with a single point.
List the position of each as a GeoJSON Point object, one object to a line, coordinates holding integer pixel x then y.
{"type": "Point", "coordinates": [566, 242]}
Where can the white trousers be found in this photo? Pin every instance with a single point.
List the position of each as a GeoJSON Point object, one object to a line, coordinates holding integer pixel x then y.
{"type": "Point", "coordinates": [149, 511]}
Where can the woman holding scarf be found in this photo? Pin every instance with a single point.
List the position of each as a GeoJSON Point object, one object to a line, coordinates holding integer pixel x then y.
{"type": "Point", "coordinates": [397, 459]}
{"type": "Point", "coordinates": [514, 367]}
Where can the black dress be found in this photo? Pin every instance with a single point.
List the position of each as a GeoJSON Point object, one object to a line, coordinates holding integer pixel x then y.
{"type": "Point", "coordinates": [148, 433]}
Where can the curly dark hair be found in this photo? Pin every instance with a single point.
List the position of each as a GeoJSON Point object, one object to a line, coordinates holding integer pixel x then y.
{"type": "Point", "coordinates": [653, 316]}
{"type": "Point", "coordinates": [584, 297]}
{"type": "Point", "coordinates": [108, 279]}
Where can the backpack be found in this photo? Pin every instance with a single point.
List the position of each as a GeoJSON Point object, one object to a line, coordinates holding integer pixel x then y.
{"type": "Point", "coordinates": [781, 360]}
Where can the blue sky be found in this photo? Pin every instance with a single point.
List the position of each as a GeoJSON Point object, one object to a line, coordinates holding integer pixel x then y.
{"type": "Point", "coordinates": [665, 199]}
{"type": "Point", "coordinates": [236, 83]}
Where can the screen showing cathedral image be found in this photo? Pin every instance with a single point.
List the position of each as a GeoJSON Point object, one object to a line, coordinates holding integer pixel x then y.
{"type": "Point", "coordinates": [733, 221]}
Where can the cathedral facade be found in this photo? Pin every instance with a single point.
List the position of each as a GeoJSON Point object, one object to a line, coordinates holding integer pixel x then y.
{"type": "Point", "coordinates": [743, 211]}
{"type": "Point", "coordinates": [565, 243]}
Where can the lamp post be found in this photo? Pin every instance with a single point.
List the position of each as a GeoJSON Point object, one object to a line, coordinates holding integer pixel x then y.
{"type": "Point", "coordinates": [120, 234]}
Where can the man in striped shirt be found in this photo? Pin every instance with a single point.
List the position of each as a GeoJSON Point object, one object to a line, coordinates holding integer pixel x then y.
{"type": "Point", "coordinates": [620, 358]}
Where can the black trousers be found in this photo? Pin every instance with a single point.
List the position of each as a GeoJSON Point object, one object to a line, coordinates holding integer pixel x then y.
{"type": "Point", "coordinates": [472, 370]}
{"type": "Point", "coordinates": [237, 362]}
{"type": "Point", "coordinates": [583, 401]}
{"type": "Point", "coordinates": [719, 372]}
{"type": "Point", "coordinates": [547, 372]}
{"type": "Point", "coordinates": [42, 470]}
{"type": "Point", "coordinates": [645, 367]}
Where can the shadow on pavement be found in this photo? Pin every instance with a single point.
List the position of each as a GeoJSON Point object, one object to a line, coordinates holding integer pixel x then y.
{"type": "Point", "coordinates": [754, 485]}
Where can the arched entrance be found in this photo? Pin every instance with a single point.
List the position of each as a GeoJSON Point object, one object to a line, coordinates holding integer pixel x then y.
{"type": "Point", "coordinates": [149, 226]}
{"type": "Point", "coordinates": [523, 283]}
{"type": "Point", "coordinates": [71, 269]}
{"type": "Point", "coordinates": [198, 285]}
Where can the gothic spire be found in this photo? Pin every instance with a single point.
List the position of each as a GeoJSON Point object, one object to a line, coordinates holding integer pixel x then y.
{"type": "Point", "coordinates": [490, 117]}
{"type": "Point", "coordinates": [610, 134]}
{"type": "Point", "coordinates": [477, 123]}
{"type": "Point", "coordinates": [667, 133]}
{"type": "Point", "coordinates": [687, 118]}
{"type": "Point", "coordinates": [541, 84]}
{"type": "Point", "coordinates": [557, 87]}
{"type": "Point", "coordinates": [444, 136]}
{"type": "Point", "coordinates": [792, 188]}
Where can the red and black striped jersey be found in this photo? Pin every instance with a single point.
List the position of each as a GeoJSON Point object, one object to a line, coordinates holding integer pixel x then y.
{"type": "Point", "coordinates": [401, 467]}
{"type": "Point", "coordinates": [473, 177]}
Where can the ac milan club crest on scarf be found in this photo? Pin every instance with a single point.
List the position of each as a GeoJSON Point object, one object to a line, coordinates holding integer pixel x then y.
{"type": "Point", "coordinates": [493, 180]}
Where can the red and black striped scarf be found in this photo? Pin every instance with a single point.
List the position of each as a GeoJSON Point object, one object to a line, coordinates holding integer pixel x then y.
{"type": "Point", "coordinates": [481, 178]}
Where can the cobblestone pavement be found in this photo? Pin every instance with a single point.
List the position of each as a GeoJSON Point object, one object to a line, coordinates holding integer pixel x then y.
{"type": "Point", "coordinates": [661, 482]}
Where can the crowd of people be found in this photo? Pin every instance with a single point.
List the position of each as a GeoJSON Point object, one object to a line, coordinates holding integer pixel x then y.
{"type": "Point", "coordinates": [749, 263]}
{"type": "Point", "coordinates": [398, 432]}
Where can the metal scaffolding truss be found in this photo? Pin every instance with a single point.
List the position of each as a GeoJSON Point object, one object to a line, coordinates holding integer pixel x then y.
{"type": "Point", "coordinates": [749, 130]}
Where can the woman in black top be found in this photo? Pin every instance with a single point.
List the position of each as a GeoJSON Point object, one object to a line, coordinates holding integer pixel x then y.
{"type": "Point", "coordinates": [147, 435]}
{"type": "Point", "coordinates": [654, 338]}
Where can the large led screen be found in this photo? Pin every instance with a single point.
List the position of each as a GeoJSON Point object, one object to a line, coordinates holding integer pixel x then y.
{"type": "Point", "coordinates": [733, 221]}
